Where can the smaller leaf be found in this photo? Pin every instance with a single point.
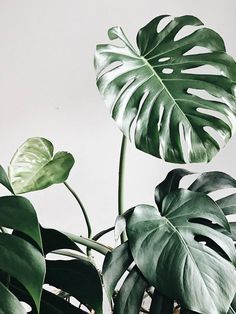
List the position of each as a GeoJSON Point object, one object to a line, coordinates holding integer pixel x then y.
{"type": "Point", "coordinates": [9, 303]}
{"type": "Point", "coordinates": [212, 181]}
{"type": "Point", "coordinates": [228, 204]}
{"type": "Point", "coordinates": [34, 167]}
{"type": "Point", "coordinates": [79, 278]}
{"type": "Point", "coordinates": [161, 304]}
{"type": "Point", "coordinates": [120, 223]}
{"type": "Point", "coordinates": [130, 296]}
{"type": "Point", "coordinates": [114, 266]}
{"type": "Point", "coordinates": [170, 183]}
{"type": "Point", "coordinates": [4, 179]}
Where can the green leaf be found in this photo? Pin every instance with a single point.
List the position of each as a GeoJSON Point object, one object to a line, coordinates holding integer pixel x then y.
{"type": "Point", "coordinates": [149, 90]}
{"type": "Point", "coordinates": [16, 212]}
{"type": "Point", "coordinates": [212, 181]}
{"type": "Point", "coordinates": [18, 257]}
{"type": "Point", "coordinates": [130, 295]}
{"type": "Point", "coordinates": [161, 304]}
{"type": "Point", "coordinates": [114, 266]}
{"type": "Point", "coordinates": [9, 303]}
{"type": "Point", "coordinates": [55, 240]}
{"type": "Point", "coordinates": [233, 229]}
{"type": "Point", "coordinates": [186, 259]}
{"type": "Point", "coordinates": [228, 204]}
{"type": "Point", "coordinates": [79, 278]}
{"type": "Point", "coordinates": [4, 179]}
{"type": "Point", "coordinates": [24, 262]}
{"type": "Point", "coordinates": [50, 303]}
{"type": "Point", "coordinates": [34, 167]}
{"type": "Point", "coordinates": [170, 183]}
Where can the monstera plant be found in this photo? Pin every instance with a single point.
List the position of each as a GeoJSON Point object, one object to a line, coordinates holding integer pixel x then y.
{"type": "Point", "coordinates": [174, 98]}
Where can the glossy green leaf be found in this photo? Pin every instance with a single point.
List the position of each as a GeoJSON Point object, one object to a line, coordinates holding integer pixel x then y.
{"type": "Point", "coordinates": [228, 204]}
{"type": "Point", "coordinates": [212, 181]}
{"type": "Point", "coordinates": [150, 89]}
{"type": "Point", "coordinates": [130, 296]}
{"type": "Point", "coordinates": [79, 278]}
{"type": "Point", "coordinates": [55, 240]}
{"type": "Point", "coordinates": [19, 258]}
{"type": "Point", "coordinates": [114, 266]}
{"type": "Point", "coordinates": [4, 179]}
{"type": "Point", "coordinates": [35, 167]}
{"type": "Point", "coordinates": [9, 303]}
{"type": "Point", "coordinates": [24, 262]}
{"type": "Point", "coordinates": [161, 304]}
{"type": "Point", "coordinates": [186, 259]}
{"type": "Point", "coordinates": [170, 183]}
{"type": "Point", "coordinates": [16, 212]}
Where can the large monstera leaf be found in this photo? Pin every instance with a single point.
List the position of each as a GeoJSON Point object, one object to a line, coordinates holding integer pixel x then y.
{"type": "Point", "coordinates": [183, 252]}
{"type": "Point", "coordinates": [150, 90]}
{"type": "Point", "coordinates": [35, 167]}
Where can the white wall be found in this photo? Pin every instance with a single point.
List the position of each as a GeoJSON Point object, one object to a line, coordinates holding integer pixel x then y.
{"type": "Point", "coordinates": [47, 88]}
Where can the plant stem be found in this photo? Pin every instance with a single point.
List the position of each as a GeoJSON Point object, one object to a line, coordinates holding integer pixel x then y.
{"type": "Point", "coordinates": [121, 207]}
{"type": "Point", "coordinates": [100, 248]}
{"type": "Point", "coordinates": [82, 208]}
{"type": "Point", "coordinates": [102, 233]}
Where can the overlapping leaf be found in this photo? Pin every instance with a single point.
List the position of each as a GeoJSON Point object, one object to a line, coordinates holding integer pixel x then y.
{"type": "Point", "coordinates": [19, 258]}
{"type": "Point", "coordinates": [177, 249]}
{"type": "Point", "coordinates": [150, 89]}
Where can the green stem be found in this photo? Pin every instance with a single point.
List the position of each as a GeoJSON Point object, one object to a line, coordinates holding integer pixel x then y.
{"type": "Point", "coordinates": [121, 207]}
{"type": "Point", "coordinates": [100, 248]}
{"type": "Point", "coordinates": [82, 208]}
{"type": "Point", "coordinates": [102, 233]}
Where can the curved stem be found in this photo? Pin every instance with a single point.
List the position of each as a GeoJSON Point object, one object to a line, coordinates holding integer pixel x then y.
{"type": "Point", "coordinates": [100, 248]}
{"type": "Point", "coordinates": [121, 207]}
{"type": "Point", "coordinates": [82, 208]}
{"type": "Point", "coordinates": [102, 233]}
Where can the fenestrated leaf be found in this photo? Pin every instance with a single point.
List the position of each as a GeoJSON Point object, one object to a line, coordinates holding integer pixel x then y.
{"type": "Point", "coordinates": [228, 204]}
{"type": "Point", "coordinates": [34, 167]}
{"type": "Point", "coordinates": [24, 262]}
{"type": "Point", "coordinates": [186, 260]}
{"type": "Point", "coordinates": [55, 240]}
{"type": "Point", "coordinates": [16, 212]}
{"type": "Point", "coordinates": [170, 183]}
{"type": "Point", "coordinates": [161, 304]}
{"type": "Point", "coordinates": [130, 296]}
{"type": "Point", "coordinates": [212, 181]}
{"type": "Point", "coordinates": [79, 278]}
{"type": "Point", "coordinates": [9, 303]}
{"type": "Point", "coordinates": [151, 90]}
{"type": "Point", "coordinates": [4, 179]}
{"type": "Point", "coordinates": [114, 266]}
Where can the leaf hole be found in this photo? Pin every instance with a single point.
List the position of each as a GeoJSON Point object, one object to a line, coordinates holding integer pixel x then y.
{"type": "Point", "coordinates": [164, 59]}
{"type": "Point", "coordinates": [212, 245]}
{"type": "Point", "coordinates": [202, 94]}
{"type": "Point", "coordinates": [196, 50]}
{"type": "Point", "coordinates": [26, 306]}
{"type": "Point", "coordinates": [214, 113]}
{"type": "Point", "coordinates": [185, 31]}
{"type": "Point", "coordinates": [218, 137]}
{"type": "Point", "coordinates": [184, 142]}
{"type": "Point", "coordinates": [203, 69]}
{"type": "Point", "coordinates": [167, 71]}
{"type": "Point", "coordinates": [134, 124]}
{"type": "Point", "coordinates": [110, 67]}
{"type": "Point", "coordinates": [163, 23]}
{"type": "Point", "coordinates": [161, 112]}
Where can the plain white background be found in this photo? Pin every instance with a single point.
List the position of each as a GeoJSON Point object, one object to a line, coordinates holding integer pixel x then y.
{"type": "Point", "coordinates": [47, 88]}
